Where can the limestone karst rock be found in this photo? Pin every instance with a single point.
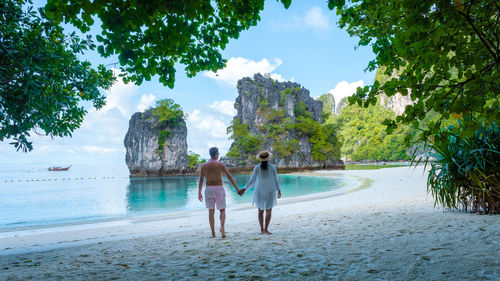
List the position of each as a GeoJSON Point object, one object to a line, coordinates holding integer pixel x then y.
{"type": "Point", "coordinates": [283, 118]}
{"type": "Point", "coordinates": [143, 157]}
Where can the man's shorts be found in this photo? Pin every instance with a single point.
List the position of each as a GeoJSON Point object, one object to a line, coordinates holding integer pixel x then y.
{"type": "Point", "coordinates": [215, 195]}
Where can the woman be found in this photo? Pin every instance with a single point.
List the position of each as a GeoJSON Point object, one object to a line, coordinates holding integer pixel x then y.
{"type": "Point", "coordinates": [264, 179]}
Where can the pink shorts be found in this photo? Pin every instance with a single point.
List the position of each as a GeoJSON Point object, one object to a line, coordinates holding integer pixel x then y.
{"type": "Point", "coordinates": [215, 195]}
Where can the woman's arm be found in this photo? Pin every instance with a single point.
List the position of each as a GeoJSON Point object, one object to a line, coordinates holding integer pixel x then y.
{"type": "Point", "coordinates": [276, 182]}
{"type": "Point", "coordinates": [252, 179]}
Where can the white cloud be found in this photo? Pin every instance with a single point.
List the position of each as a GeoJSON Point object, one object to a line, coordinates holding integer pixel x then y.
{"type": "Point", "coordinates": [315, 19]}
{"type": "Point", "coordinates": [211, 125]}
{"type": "Point", "coordinates": [195, 116]}
{"type": "Point", "coordinates": [93, 148]}
{"type": "Point", "coordinates": [345, 89]}
{"type": "Point", "coordinates": [224, 107]}
{"type": "Point", "coordinates": [237, 68]}
{"type": "Point", "coordinates": [146, 101]}
{"type": "Point", "coordinates": [118, 96]}
{"type": "Point", "coordinates": [207, 127]}
{"type": "Point", "coordinates": [280, 78]}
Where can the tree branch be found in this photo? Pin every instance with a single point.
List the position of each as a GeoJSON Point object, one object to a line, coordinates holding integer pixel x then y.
{"type": "Point", "coordinates": [479, 34]}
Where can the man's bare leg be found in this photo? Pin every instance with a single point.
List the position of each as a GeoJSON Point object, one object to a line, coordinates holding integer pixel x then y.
{"type": "Point", "coordinates": [261, 220]}
{"type": "Point", "coordinates": [268, 220]}
{"type": "Point", "coordinates": [222, 222]}
{"type": "Point", "coordinates": [211, 220]}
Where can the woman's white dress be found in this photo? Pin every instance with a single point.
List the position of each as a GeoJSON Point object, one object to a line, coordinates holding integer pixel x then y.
{"type": "Point", "coordinates": [265, 184]}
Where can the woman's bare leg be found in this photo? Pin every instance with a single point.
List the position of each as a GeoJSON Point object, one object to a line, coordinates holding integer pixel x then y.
{"type": "Point", "coordinates": [261, 220]}
{"type": "Point", "coordinates": [268, 220]}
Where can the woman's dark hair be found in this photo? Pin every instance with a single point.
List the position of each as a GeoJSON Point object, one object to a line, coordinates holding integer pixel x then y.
{"type": "Point", "coordinates": [263, 165]}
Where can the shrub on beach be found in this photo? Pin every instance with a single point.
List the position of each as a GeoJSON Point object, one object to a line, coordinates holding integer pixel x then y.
{"type": "Point", "coordinates": [466, 173]}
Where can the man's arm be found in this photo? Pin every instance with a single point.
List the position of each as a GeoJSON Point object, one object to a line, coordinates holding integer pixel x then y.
{"type": "Point", "coordinates": [226, 171]}
{"type": "Point", "coordinates": [200, 185]}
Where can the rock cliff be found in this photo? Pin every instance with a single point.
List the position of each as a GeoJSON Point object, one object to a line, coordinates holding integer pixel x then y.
{"type": "Point", "coordinates": [283, 118]}
{"type": "Point", "coordinates": [328, 103]}
{"type": "Point", "coordinates": [396, 103]}
{"type": "Point", "coordinates": [144, 156]}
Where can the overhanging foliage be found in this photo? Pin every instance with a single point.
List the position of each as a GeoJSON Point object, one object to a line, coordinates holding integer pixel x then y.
{"type": "Point", "coordinates": [42, 82]}
{"type": "Point", "coordinates": [151, 37]}
{"type": "Point", "coordinates": [446, 55]}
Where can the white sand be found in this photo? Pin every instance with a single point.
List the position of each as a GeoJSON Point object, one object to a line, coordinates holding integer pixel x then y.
{"type": "Point", "coordinates": [383, 228]}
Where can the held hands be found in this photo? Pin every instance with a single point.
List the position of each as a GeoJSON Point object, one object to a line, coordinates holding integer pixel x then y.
{"type": "Point", "coordinates": [240, 192]}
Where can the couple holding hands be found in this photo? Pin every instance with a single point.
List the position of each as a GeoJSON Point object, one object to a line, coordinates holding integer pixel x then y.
{"type": "Point", "coordinates": [264, 180]}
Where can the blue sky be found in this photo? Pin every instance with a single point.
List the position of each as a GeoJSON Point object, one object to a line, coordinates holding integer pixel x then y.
{"type": "Point", "coordinates": [302, 44]}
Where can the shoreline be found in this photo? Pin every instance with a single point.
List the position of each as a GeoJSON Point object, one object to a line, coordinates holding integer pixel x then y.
{"type": "Point", "coordinates": [235, 170]}
{"type": "Point", "coordinates": [41, 238]}
{"type": "Point", "coordinates": [82, 223]}
{"type": "Point", "coordinates": [390, 230]}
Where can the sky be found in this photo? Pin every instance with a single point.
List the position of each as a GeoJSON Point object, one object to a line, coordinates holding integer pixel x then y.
{"type": "Point", "coordinates": [302, 44]}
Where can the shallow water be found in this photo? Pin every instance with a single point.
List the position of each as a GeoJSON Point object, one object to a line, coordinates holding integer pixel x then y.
{"type": "Point", "coordinates": [33, 196]}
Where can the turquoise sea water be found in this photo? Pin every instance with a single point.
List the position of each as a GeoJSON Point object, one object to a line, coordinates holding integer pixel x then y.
{"type": "Point", "coordinates": [32, 196]}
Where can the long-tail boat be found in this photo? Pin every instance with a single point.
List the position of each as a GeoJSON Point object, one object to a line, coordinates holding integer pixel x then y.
{"type": "Point", "coordinates": [59, 168]}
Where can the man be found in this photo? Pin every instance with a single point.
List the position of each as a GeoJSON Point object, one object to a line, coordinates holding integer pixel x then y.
{"type": "Point", "coordinates": [214, 191]}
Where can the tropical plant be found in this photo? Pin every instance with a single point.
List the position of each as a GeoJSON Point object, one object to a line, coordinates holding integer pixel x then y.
{"type": "Point", "coordinates": [466, 172]}
{"type": "Point", "coordinates": [42, 81]}
{"type": "Point", "coordinates": [324, 144]}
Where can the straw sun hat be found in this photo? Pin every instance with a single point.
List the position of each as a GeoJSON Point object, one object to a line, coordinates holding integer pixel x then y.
{"type": "Point", "coordinates": [264, 155]}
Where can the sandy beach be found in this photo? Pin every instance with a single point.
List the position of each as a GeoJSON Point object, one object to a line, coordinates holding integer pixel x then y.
{"type": "Point", "coordinates": [384, 227]}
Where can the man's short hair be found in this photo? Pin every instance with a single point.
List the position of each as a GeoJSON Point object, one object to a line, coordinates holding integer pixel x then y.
{"type": "Point", "coordinates": [213, 151]}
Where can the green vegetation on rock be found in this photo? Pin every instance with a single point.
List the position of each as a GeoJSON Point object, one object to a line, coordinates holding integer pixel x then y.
{"type": "Point", "coordinates": [244, 140]}
{"type": "Point", "coordinates": [194, 160]}
{"type": "Point", "coordinates": [166, 113]}
{"type": "Point", "coordinates": [163, 135]}
{"type": "Point", "coordinates": [277, 128]}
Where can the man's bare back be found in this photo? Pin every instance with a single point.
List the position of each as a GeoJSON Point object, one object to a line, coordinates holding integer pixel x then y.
{"type": "Point", "coordinates": [212, 171]}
